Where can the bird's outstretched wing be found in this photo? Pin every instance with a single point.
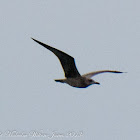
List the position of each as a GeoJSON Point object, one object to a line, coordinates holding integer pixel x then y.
{"type": "Point", "coordinates": [89, 75]}
{"type": "Point", "coordinates": [67, 61]}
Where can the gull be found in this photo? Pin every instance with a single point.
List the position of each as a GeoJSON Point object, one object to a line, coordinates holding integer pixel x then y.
{"type": "Point", "coordinates": [73, 77]}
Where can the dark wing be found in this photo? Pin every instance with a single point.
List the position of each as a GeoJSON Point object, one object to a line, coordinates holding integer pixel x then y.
{"type": "Point", "coordinates": [66, 61]}
{"type": "Point", "coordinates": [89, 75]}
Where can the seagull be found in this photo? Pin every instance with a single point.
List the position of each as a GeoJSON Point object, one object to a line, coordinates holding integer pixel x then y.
{"type": "Point", "coordinates": [73, 77]}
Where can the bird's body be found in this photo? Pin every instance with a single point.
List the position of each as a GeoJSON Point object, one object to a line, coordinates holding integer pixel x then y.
{"type": "Point", "coordinates": [80, 82]}
{"type": "Point", "coordinates": [73, 77]}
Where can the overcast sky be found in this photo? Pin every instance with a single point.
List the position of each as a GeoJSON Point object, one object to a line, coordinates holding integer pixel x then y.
{"type": "Point", "coordinates": [99, 34]}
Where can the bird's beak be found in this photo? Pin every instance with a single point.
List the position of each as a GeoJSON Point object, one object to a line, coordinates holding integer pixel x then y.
{"type": "Point", "coordinates": [97, 83]}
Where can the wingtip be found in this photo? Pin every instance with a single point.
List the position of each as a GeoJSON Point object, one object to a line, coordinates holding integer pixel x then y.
{"type": "Point", "coordinates": [120, 72]}
{"type": "Point", "coordinates": [35, 40]}
{"type": "Point", "coordinates": [32, 38]}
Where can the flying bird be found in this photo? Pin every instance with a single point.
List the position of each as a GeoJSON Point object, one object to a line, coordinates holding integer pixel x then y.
{"type": "Point", "coordinates": [73, 77]}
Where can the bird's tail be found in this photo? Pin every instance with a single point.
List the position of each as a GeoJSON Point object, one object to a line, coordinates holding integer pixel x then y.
{"type": "Point", "coordinates": [59, 80]}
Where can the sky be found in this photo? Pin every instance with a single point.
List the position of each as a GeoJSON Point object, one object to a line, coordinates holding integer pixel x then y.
{"type": "Point", "coordinates": [99, 34]}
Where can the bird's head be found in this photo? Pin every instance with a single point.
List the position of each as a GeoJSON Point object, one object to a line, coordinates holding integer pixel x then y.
{"type": "Point", "coordinates": [91, 81]}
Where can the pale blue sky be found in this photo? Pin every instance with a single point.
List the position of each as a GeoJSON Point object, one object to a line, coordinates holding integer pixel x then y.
{"type": "Point", "coordinates": [99, 34]}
